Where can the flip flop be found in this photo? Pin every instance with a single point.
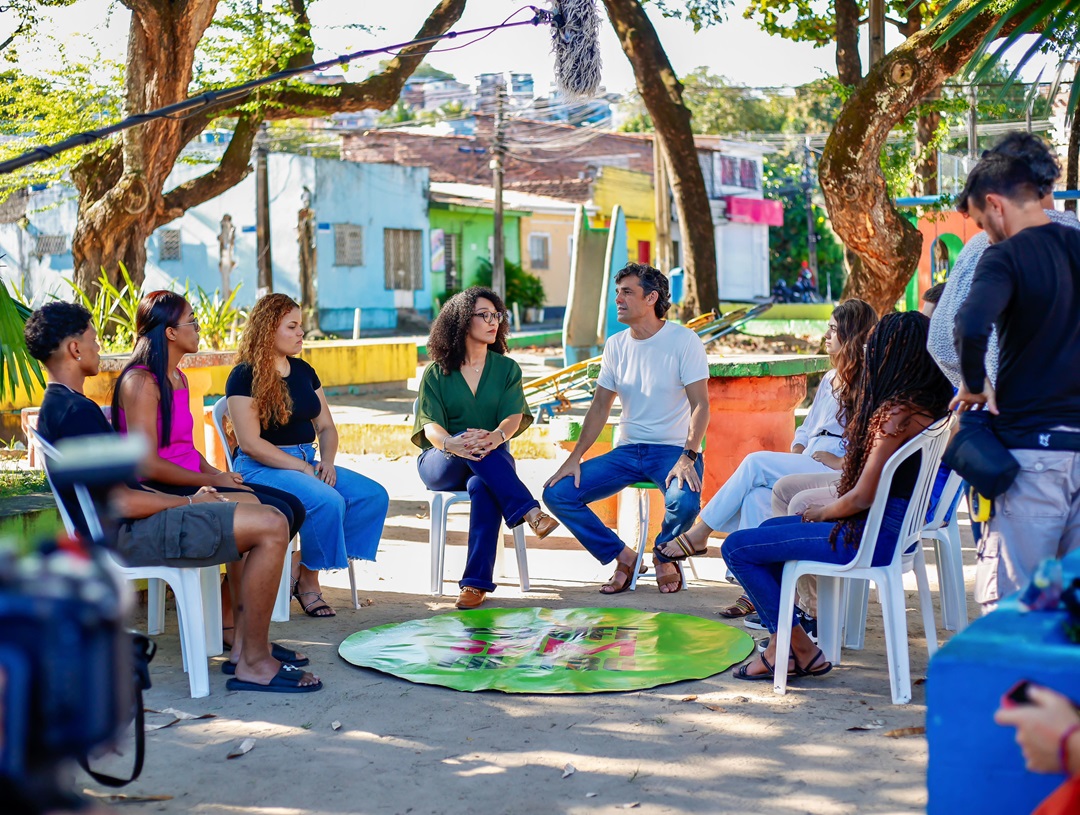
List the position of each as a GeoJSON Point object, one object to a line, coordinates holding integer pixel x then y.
{"type": "Point", "coordinates": [229, 668]}
{"type": "Point", "coordinates": [743, 606]}
{"type": "Point", "coordinates": [801, 670]}
{"type": "Point", "coordinates": [281, 654]}
{"type": "Point", "coordinates": [287, 680]}
{"type": "Point", "coordinates": [687, 548]}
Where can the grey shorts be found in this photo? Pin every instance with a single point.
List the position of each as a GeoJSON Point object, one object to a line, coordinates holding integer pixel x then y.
{"type": "Point", "coordinates": [197, 535]}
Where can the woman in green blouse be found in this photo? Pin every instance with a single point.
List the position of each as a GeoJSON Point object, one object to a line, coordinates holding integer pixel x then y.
{"type": "Point", "coordinates": [470, 405]}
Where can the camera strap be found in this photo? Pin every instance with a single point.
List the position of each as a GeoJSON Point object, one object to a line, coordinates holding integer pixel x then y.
{"type": "Point", "coordinates": [143, 650]}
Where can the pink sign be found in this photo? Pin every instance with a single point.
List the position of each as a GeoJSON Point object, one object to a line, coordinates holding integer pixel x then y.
{"type": "Point", "coordinates": [755, 211]}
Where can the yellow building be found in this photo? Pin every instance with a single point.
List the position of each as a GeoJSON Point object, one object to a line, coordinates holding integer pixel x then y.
{"type": "Point", "coordinates": [547, 236]}
{"type": "Point", "coordinates": [633, 191]}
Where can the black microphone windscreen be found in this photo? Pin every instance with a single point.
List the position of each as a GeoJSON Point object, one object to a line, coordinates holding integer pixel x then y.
{"type": "Point", "coordinates": [576, 46]}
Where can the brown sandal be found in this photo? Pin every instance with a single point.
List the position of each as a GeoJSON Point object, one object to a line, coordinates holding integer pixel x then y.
{"type": "Point", "coordinates": [624, 570]}
{"type": "Point", "coordinates": [742, 608]}
{"type": "Point", "coordinates": [667, 580]}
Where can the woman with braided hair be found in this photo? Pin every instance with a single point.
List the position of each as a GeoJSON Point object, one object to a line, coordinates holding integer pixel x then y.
{"type": "Point", "coordinates": [901, 393]}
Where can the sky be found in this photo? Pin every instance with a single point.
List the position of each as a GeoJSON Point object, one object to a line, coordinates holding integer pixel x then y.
{"type": "Point", "coordinates": [736, 48]}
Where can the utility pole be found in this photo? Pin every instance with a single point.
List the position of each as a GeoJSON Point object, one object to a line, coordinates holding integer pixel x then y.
{"type": "Point", "coordinates": [877, 31]}
{"type": "Point", "coordinates": [265, 283]}
{"type": "Point", "coordinates": [811, 227]}
{"type": "Point", "coordinates": [498, 148]}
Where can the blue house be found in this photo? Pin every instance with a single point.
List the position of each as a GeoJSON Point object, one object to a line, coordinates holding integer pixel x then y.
{"type": "Point", "coordinates": [369, 224]}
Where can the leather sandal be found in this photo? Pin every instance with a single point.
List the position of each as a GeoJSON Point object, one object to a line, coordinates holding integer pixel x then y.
{"type": "Point", "coordinates": [669, 579]}
{"type": "Point", "coordinates": [624, 570]}
{"type": "Point", "coordinates": [686, 549]}
{"type": "Point", "coordinates": [808, 668]}
{"type": "Point", "coordinates": [742, 607]}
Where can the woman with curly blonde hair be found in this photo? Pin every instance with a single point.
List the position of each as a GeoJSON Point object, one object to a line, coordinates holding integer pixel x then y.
{"type": "Point", "coordinates": [279, 411]}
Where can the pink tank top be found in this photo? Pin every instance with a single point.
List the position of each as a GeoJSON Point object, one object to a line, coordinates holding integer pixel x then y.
{"type": "Point", "coordinates": [181, 447]}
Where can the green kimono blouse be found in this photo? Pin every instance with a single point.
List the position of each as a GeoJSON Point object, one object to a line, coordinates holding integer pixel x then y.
{"type": "Point", "coordinates": [449, 402]}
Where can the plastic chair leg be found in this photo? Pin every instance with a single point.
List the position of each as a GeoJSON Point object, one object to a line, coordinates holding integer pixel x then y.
{"type": "Point", "coordinates": [210, 592]}
{"type": "Point", "coordinates": [891, 590]}
{"type": "Point", "coordinates": [189, 606]}
{"type": "Point", "coordinates": [643, 535]}
{"type": "Point", "coordinates": [783, 628]}
{"type": "Point", "coordinates": [950, 563]}
{"type": "Point", "coordinates": [858, 597]}
{"type": "Point", "coordinates": [926, 603]}
{"type": "Point", "coordinates": [283, 603]}
{"type": "Point", "coordinates": [522, 557]}
{"type": "Point", "coordinates": [352, 584]}
{"type": "Point", "coordinates": [438, 541]}
{"type": "Point", "coordinates": [830, 619]}
{"type": "Point", "coordinates": [155, 606]}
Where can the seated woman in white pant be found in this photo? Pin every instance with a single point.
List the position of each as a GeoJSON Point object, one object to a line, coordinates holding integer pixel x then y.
{"type": "Point", "coordinates": [746, 499]}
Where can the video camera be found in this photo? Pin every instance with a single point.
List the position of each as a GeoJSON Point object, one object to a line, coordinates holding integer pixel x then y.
{"type": "Point", "coordinates": [68, 665]}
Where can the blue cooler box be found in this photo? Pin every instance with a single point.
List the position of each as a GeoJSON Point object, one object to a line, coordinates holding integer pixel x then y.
{"type": "Point", "coordinates": [976, 765]}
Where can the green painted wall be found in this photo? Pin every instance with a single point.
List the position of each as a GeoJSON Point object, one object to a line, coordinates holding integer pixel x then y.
{"type": "Point", "coordinates": [474, 226]}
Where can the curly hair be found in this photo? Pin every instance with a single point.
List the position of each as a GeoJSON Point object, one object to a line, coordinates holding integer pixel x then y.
{"type": "Point", "coordinates": [51, 324]}
{"type": "Point", "coordinates": [268, 388]}
{"type": "Point", "coordinates": [854, 321]}
{"type": "Point", "coordinates": [446, 343]}
{"type": "Point", "coordinates": [157, 311]}
{"type": "Point", "coordinates": [897, 371]}
{"type": "Point", "coordinates": [651, 280]}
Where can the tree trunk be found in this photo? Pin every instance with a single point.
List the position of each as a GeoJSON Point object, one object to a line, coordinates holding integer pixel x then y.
{"type": "Point", "coordinates": [661, 92]}
{"type": "Point", "coordinates": [848, 62]}
{"type": "Point", "coordinates": [926, 171]}
{"type": "Point", "coordinates": [122, 199]}
{"type": "Point", "coordinates": [1072, 160]}
{"type": "Point", "coordinates": [858, 201]}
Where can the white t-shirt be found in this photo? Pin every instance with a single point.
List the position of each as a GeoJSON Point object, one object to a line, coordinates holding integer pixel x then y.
{"type": "Point", "coordinates": [650, 377]}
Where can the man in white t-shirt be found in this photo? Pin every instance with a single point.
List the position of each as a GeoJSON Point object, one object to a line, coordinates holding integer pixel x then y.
{"type": "Point", "coordinates": [660, 374]}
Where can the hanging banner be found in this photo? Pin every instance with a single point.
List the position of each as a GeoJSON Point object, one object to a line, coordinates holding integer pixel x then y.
{"type": "Point", "coordinates": [537, 650]}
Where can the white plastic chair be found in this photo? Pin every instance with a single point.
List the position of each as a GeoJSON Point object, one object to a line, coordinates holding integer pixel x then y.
{"type": "Point", "coordinates": [283, 603]}
{"type": "Point", "coordinates": [439, 503]}
{"type": "Point", "coordinates": [197, 592]}
{"type": "Point", "coordinates": [641, 492]}
{"type": "Point", "coordinates": [949, 557]}
{"type": "Point", "coordinates": [907, 556]}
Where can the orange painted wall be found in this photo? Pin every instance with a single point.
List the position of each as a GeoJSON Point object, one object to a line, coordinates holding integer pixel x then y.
{"type": "Point", "coordinates": [936, 223]}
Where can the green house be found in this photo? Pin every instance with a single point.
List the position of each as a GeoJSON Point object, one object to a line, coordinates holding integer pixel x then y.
{"type": "Point", "coordinates": [462, 225]}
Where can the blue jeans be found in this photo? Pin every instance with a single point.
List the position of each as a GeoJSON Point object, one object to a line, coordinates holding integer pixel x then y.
{"type": "Point", "coordinates": [605, 475]}
{"type": "Point", "coordinates": [496, 494]}
{"type": "Point", "coordinates": [757, 556]}
{"type": "Point", "coordinates": [343, 522]}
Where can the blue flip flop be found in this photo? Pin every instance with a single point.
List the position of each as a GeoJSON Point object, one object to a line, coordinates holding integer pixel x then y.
{"type": "Point", "coordinates": [282, 654]}
{"type": "Point", "coordinates": [287, 680]}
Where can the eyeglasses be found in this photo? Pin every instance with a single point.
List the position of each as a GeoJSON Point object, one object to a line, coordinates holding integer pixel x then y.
{"type": "Point", "coordinates": [490, 317]}
{"type": "Point", "coordinates": [193, 323]}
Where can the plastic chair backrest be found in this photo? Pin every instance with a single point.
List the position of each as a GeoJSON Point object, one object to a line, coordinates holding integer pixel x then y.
{"type": "Point", "coordinates": [221, 410]}
{"type": "Point", "coordinates": [931, 443]}
{"type": "Point", "coordinates": [49, 454]}
{"type": "Point", "coordinates": [946, 501]}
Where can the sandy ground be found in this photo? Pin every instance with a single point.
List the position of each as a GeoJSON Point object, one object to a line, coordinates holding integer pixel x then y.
{"type": "Point", "coordinates": [712, 746]}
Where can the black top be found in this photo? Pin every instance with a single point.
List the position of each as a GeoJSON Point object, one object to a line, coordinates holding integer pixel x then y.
{"type": "Point", "coordinates": [1029, 287]}
{"type": "Point", "coordinates": [65, 414]}
{"type": "Point", "coordinates": [302, 383]}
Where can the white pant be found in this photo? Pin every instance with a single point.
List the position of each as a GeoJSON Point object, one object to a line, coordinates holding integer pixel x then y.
{"type": "Point", "coordinates": [746, 499]}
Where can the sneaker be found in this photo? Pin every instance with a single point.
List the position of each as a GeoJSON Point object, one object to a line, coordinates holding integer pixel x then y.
{"type": "Point", "coordinates": [753, 621]}
{"type": "Point", "coordinates": [808, 623]}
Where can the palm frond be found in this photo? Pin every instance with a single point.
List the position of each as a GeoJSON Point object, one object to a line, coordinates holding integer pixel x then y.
{"type": "Point", "coordinates": [17, 367]}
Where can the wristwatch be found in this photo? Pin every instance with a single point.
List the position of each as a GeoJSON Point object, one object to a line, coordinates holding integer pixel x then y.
{"type": "Point", "coordinates": [690, 454]}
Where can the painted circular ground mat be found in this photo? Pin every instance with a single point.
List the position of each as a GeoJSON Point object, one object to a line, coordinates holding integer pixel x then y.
{"type": "Point", "coordinates": [539, 650]}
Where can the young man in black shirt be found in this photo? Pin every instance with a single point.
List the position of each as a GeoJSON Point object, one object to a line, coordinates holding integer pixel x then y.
{"type": "Point", "coordinates": [1027, 284]}
{"type": "Point", "coordinates": [156, 528]}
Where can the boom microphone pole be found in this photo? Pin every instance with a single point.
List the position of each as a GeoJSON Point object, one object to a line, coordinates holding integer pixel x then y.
{"type": "Point", "coordinates": [575, 29]}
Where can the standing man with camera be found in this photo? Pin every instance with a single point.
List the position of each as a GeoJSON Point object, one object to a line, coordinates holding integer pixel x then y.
{"type": "Point", "coordinates": [1027, 285]}
{"type": "Point", "coordinates": [660, 374]}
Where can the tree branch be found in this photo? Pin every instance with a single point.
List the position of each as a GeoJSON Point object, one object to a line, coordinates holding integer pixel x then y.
{"type": "Point", "coordinates": [233, 167]}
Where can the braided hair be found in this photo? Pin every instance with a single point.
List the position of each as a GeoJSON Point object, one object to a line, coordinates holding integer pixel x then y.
{"type": "Point", "coordinates": [897, 371]}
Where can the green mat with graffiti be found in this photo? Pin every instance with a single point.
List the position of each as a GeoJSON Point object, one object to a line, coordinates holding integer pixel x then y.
{"type": "Point", "coordinates": [539, 650]}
